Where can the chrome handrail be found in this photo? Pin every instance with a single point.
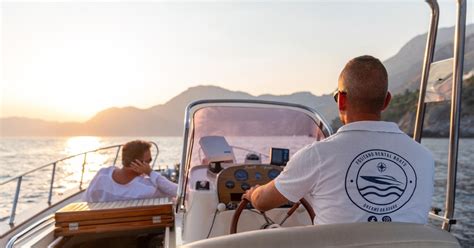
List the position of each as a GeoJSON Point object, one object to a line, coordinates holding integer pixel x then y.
{"type": "Point", "coordinates": [53, 172]}
{"type": "Point", "coordinates": [455, 118]}
{"type": "Point", "coordinates": [19, 177]}
{"type": "Point", "coordinates": [48, 220]}
{"type": "Point", "coordinates": [458, 62]}
{"type": "Point", "coordinates": [427, 60]}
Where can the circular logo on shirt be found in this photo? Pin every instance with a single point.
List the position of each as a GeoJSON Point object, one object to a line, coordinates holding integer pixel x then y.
{"type": "Point", "coordinates": [380, 181]}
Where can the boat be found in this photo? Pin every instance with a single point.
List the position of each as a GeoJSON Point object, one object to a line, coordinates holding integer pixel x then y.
{"type": "Point", "coordinates": [229, 146]}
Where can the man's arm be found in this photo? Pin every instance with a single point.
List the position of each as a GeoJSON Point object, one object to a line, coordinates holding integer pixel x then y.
{"type": "Point", "coordinates": [265, 197]}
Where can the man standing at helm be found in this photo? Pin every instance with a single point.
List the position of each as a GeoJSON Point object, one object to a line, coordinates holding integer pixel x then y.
{"type": "Point", "coordinates": [368, 170]}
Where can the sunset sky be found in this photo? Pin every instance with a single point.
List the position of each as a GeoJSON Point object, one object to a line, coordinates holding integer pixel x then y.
{"type": "Point", "coordinates": [66, 61]}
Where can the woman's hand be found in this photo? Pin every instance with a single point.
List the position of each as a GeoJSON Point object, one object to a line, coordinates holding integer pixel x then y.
{"type": "Point", "coordinates": [140, 167]}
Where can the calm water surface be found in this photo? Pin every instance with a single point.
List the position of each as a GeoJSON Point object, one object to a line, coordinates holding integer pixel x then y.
{"type": "Point", "coordinates": [18, 155]}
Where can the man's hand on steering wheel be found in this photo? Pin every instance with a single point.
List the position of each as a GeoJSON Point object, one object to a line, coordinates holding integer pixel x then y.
{"type": "Point", "coordinates": [267, 193]}
{"type": "Point", "coordinates": [248, 193]}
{"type": "Point", "coordinates": [269, 223]}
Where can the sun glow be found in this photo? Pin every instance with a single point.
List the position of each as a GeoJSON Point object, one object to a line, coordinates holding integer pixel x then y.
{"type": "Point", "coordinates": [80, 144]}
{"type": "Point", "coordinates": [67, 60]}
{"type": "Point", "coordinates": [92, 162]}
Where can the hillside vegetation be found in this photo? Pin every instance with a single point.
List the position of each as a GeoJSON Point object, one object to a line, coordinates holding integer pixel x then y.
{"type": "Point", "coordinates": [402, 110]}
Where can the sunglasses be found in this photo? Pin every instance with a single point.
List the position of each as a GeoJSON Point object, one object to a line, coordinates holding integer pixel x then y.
{"type": "Point", "coordinates": [336, 94]}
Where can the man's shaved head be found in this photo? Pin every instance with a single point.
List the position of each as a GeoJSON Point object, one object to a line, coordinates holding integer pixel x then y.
{"type": "Point", "coordinates": [365, 81]}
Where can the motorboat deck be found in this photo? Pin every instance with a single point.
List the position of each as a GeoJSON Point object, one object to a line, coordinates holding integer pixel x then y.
{"type": "Point", "coordinates": [212, 181]}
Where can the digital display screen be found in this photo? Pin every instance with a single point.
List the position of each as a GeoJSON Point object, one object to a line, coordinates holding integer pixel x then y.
{"type": "Point", "coordinates": [280, 156]}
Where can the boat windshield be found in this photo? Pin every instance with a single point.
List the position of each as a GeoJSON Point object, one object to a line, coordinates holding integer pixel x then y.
{"type": "Point", "coordinates": [440, 81]}
{"type": "Point", "coordinates": [251, 131]}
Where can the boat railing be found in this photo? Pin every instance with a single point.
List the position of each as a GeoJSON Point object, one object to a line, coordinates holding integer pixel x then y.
{"type": "Point", "coordinates": [455, 113]}
{"type": "Point", "coordinates": [54, 164]}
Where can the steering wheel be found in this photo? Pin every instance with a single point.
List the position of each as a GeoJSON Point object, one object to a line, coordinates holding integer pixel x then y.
{"type": "Point", "coordinates": [270, 223]}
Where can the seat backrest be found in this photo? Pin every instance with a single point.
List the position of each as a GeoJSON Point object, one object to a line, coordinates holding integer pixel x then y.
{"type": "Point", "coordinates": [348, 235]}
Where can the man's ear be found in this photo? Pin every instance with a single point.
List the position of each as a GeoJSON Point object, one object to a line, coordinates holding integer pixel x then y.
{"type": "Point", "coordinates": [387, 100]}
{"type": "Point", "coordinates": [341, 102]}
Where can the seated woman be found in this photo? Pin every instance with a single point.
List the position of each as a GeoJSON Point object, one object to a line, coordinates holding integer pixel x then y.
{"type": "Point", "coordinates": [135, 180]}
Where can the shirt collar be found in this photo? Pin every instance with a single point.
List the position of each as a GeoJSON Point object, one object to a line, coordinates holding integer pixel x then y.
{"type": "Point", "coordinates": [373, 126]}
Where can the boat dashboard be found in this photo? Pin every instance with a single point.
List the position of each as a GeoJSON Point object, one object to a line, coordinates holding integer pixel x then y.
{"type": "Point", "coordinates": [232, 181]}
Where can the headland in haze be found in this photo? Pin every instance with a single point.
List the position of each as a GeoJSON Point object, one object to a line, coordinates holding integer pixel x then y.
{"type": "Point", "coordinates": [167, 119]}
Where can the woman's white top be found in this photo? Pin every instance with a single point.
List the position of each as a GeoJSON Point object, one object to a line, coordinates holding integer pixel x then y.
{"type": "Point", "coordinates": [103, 188]}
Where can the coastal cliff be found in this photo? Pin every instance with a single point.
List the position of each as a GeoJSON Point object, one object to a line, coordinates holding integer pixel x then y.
{"type": "Point", "coordinates": [402, 110]}
{"type": "Point", "coordinates": [437, 117]}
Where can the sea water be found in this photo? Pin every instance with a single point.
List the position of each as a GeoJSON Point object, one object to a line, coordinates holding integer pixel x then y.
{"type": "Point", "coordinates": [19, 155]}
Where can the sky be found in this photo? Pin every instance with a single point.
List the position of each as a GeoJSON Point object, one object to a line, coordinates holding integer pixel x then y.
{"type": "Point", "coordinates": [66, 61]}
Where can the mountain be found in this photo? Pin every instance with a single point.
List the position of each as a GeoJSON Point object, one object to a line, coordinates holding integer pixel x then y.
{"type": "Point", "coordinates": [404, 80]}
{"type": "Point", "coordinates": [159, 120]}
{"type": "Point", "coordinates": [18, 126]}
{"type": "Point", "coordinates": [404, 68]}
{"type": "Point", "coordinates": [402, 109]}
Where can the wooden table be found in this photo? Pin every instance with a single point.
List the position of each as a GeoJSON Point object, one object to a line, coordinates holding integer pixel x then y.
{"type": "Point", "coordinates": [84, 217]}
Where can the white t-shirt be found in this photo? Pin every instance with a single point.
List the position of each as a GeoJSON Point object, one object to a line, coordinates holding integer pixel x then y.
{"type": "Point", "coordinates": [103, 188]}
{"type": "Point", "coordinates": [367, 171]}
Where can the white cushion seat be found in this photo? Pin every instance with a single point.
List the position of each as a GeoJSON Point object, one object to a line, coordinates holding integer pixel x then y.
{"type": "Point", "coordinates": [348, 235]}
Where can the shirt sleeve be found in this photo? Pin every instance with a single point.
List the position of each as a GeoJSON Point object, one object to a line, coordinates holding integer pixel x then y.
{"type": "Point", "coordinates": [163, 184]}
{"type": "Point", "coordinates": [299, 176]}
{"type": "Point", "coordinates": [90, 195]}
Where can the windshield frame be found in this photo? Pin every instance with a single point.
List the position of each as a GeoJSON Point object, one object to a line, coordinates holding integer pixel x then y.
{"type": "Point", "coordinates": [188, 132]}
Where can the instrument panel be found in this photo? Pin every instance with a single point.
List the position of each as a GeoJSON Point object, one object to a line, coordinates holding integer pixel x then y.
{"type": "Point", "coordinates": [233, 181]}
